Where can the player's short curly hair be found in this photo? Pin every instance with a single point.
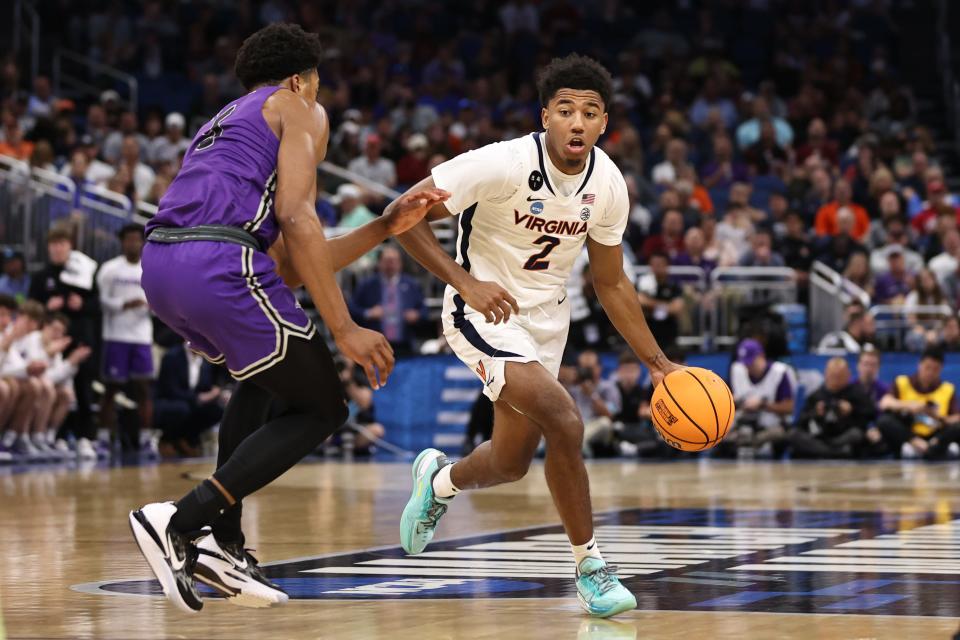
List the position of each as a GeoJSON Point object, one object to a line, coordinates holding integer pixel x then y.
{"type": "Point", "coordinates": [574, 72]}
{"type": "Point", "coordinates": [276, 52]}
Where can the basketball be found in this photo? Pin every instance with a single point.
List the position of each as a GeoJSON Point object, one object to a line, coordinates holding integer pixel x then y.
{"type": "Point", "coordinates": [692, 409]}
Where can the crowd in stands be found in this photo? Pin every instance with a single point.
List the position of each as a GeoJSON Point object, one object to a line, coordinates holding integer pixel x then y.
{"type": "Point", "coordinates": [749, 134]}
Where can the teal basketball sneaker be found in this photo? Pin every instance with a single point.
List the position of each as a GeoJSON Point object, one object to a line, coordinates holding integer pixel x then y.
{"type": "Point", "coordinates": [423, 510]}
{"type": "Point", "coordinates": [599, 589]}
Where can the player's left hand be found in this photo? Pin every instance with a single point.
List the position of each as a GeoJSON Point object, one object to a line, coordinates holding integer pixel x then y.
{"type": "Point", "coordinates": [657, 375]}
{"type": "Point", "coordinates": [409, 209]}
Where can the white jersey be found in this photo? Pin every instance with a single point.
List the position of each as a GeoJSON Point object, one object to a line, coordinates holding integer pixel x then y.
{"type": "Point", "coordinates": [523, 222]}
{"type": "Point", "coordinates": [119, 282]}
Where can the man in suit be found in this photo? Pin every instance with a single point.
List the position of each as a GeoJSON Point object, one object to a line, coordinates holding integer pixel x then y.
{"type": "Point", "coordinates": [188, 401]}
{"type": "Point", "coordinates": [390, 302]}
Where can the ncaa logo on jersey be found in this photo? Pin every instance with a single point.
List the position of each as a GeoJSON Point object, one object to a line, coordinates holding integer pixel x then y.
{"type": "Point", "coordinates": [536, 208]}
{"type": "Point", "coordinates": [535, 181]}
{"type": "Point", "coordinates": [585, 214]}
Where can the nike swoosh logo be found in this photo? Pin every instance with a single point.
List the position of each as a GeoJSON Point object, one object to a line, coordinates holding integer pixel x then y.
{"type": "Point", "coordinates": [175, 562]}
{"type": "Point", "coordinates": [490, 381]}
{"type": "Point", "coordinates": [591, 546]}
{"type": "Point", "coordinates": [532, 199]}
{"type": "Point", "coordinates": [561, 300]}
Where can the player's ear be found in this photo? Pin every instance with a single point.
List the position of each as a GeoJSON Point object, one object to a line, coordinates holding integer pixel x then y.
{"type": "Point", "coordinates": [544, 117]}
{"type": "Point", "coordinates": [603, 129]}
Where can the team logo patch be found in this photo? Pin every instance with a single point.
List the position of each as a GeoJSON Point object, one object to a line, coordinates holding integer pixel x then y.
{"type": "Point", "coordinates": [585, 214]}
{"type": "Point", "coordinates": [535, 181]}
{"type": "Point", "coordinates": [536, 208]}
{"type": "Point", "coordinates": [810, 562]}
{"type": "Point", "coordinates": [665, 413]}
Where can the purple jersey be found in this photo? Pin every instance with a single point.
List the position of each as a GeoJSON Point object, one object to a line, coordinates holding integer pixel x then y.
{"type": "Point", "coordinates": [229, 173]}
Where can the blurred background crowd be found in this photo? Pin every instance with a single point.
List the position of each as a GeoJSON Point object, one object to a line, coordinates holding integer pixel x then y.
{"type": "Point", "coordinates": [753, 133]}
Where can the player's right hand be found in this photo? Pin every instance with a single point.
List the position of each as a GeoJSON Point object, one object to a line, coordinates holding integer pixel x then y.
{"type": "Point", "coordinates": [368, 349]}
{"type": "Point", "coordinates": [491, 300]}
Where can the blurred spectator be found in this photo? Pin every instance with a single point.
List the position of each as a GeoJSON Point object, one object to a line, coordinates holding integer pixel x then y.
{"type": "Point", "coordinates": [761, 253]}
{"type": "Point", "coordinates": [58, 380]}
{"type": "Point", "coordinates": [893, 286]}
{"type": "Point", "coordinates": [951, 288]}
{"type": "Point", "coordinates": [412, 167]}
{"type": "Point", "coordinates": [113, 143]}
{"type": "Point", "coordinates": [90, 168]}
{"type": "Point", "coordinates": [764, 393]}
{"type": "Point", "coordinates": [827, 220]}
{"type": "Point", "coordinates": [675, 159]}
{"type": "Point", "coordinates": [948, 338]}
{"type": "Point", "coordinates": [945, 262]}
{"type": "Point", "coordinates": [858, 272]}
{"type": "Point", "coordinates": [661, 298]}
{"type": "Point", "coordinates": [818, 144]}
{"type": "Point", "coordinates": [924, 327]}
{"type": "Point", "coordinates": [670, 238]}
{"type": "Point", "coordinates": [749, 132]}
{"type": "Point", "coordinates": [834, 417]}
{"type": "Point", "coordinates": [169, 146]}
{"type": "Point", "coordinates": [13, 142]}
{"type": "Point", "coordinates": [868, 376]}
{"type": "Point", "coordinates": [598, 400]}
{"type": "Point", "coordinates": [189, 400]}
{"type": "Point", "coordinates": [889, 209]}
{"type": "Point", "coordinates": [709, 99]}
{"type": "Point", "coordinates": [897, 241]}
{"type": "Point", "coordinates": [860, 332]}
{"type": "Point", "coordinates": [835, 251]}
{"type": "Point", "coordinates": [390, 302]}
{"type": "Point", "coordinates": [25, 363]}
{"type": "Point", "coordinates": [939, 203]}
{"type": "Point", "coordinates": [796, 245]}
{"type": "Point", "coordinates": [589, 324]}
{"type": "Point", "coordinates": [41, 103]}
{"type": "Point", "coordinates": [127, 335]}
{"type": "Point", "coordinates": [15, 281]}
{"type": "Point", "coordinates": [362, 431]}
{"type": "Point", "coordinates": [765, 156]}
{"type": "Point", "coordinates": [723, 169]}
{"type": "Point", "coordinates": [372, 166]}
{"type": "Point", "coordinates": [66, 284]}
{"type": "Point", "coordinates": [915, 409]}
{"type": "Point", "coordinates": [694, 245]}
{"type": "Point", "coordinates": [353, 213]}
{"type": "Point", "coordinates": [141, 175]}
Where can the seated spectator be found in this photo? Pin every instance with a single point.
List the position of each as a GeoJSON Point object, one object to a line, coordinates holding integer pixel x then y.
{"type": "Point", "coordinates": [353, 212]}
{"type": "Point", "coordinates": [827, 221]}
{"type": "Point", "coordinates": [723, 169]}
{"type": "Point", "coordinates": [372, 166]}
{"type": "Point", "coordinates": [764, 394]}
{"type": "Point", "coordinates": [412, 167]}
{"type": "Point", "coordinates": [889, 209]}
{"type": "Point", "coordinates": [796, 245]}
{"type": "Point", "coordinates": [598, 400]}
{"type": "Point", "coordinates": [95, 171]}
{"type": "Point", "coordinates": [834, 417]}
{"type": "Point", "coordinates": [710, 99]}
{"type": "Point", "coordinates": [188, 401]}
{"type": "Point", "coordinates": [671, 200]}
{"type": "Point", "coordinates": [924, 327]}
{"type": "Point", "coordinates": [661, 298]}
{"type": "Point", "coordinates": [897, 240]}
{"type": "Point", "coordinates": [694, 246]}
{"type": "Point", "coordinates": [666, 172]}
{"type": "Point", "coordinates": [141, 175]}
{"type": "Point", "coordinates": [589, 324]}
{"type": "Point", "coordinates": [835, 251]}
{"type": "Point", "coordinates": [816, 193]}
{"type": "Point", "coordinates": [739, 198]}
{"type": "Point", "coordinates": [766, 156]}
{"type": "Point", "coordinates": [916, 408]}
{"type": "Point", "coordinates": [943, 264]}
{"type": "Point", "coordinates": [15, 281]}
{"type": "Point", "coordinates": [761, 252]}
{"type": "Point", "coordinates": [939, 201]}
{"type": "Point", "coordinates": [26, 362]}
{"type": "Point", "coordinates": [113, 144]}
{"type": "Point", "coordinates": [859, 332]}
{"type": "Point", "coordinates": [58, 382]}
{"type": "Point", "coordinates": [390, 302]}
{"type": "Point", "coordinates": [480, 424]}
{"type": "Point", "coordinates": [893, 286]}
{"type": "Point", "coordinates": [13, 143]}
{"type": "Point", "coordinates": [951, 288]}
{"type": "Point", "coordinates": [868, 376]}
{"type": "Point", "coordinates": [948, 338]}
{"type": "Point", "coordinates": [748, 133]}
{"type": "Point", "coordinates": [693, 197]}
{"type": "Point", "coordinates": [818, 144]}
{"type": "Point", "coordinates": [169, 146]}
{"type": "Point", "coordinates": [858, 273]}
{"type": "Point", "coordinates": [361, 431]}
{"type": "Point", "coordinates": [17, 397]}
{"type": "Point", "coordinates": [670, 238]}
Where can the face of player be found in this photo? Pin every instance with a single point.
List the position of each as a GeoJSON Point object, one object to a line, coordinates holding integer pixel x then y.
{"type": "Point", "coordinates": [574, 120]}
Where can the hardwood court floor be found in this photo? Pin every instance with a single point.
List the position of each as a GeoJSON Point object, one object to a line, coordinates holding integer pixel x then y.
{"type": "Point", "coordinates": [877, 555]}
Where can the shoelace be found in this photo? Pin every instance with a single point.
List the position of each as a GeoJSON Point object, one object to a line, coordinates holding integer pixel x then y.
{"type": "Point", "coordinates": [434, 512]}
{"type": "Point", "coordinates": [606, 578]}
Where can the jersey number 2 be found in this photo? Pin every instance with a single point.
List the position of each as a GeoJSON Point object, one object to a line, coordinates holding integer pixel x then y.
{"type": "Point", "coordinates": [536, 262]}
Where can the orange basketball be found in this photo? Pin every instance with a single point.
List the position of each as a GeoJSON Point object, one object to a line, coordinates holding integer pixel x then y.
{"type": "Point", "coordinates": [692, 409]}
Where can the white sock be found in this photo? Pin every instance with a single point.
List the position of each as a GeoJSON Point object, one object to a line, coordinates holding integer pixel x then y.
{"type": "Point", "coordinates": [589, 549]}
{"type": "Point", "coordinates": [9, 437]}
{"type": "Point", "coordinates": [51, 436]}
{"type": "Point", "coordinates": [442, 484]}
{"type": "Point", "coordinates": [40, 438]}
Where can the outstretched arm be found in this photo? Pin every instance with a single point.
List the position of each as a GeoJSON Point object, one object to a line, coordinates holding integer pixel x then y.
{"type": "Point", "coordinates": [622, 304]}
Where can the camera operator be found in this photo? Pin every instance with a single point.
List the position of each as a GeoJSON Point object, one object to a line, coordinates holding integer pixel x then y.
{"type": "Point", "coordinates": [598, 400]}
{"type": "Point", "coordinates": [362, 429]}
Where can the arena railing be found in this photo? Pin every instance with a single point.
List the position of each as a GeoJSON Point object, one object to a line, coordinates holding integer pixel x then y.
{"type": "Point", "coordinates": [734, 288]}
{"type": "Point", "coordinates": [698, 332]}
{"type": "Point", "coordinates": [830, 293]}
{"type": "Point", "coordinates": [26, 30]}
{"type": "Point", "coordinates": [73, 74]}
{"type": "Point", "coordinates": [894, 322]}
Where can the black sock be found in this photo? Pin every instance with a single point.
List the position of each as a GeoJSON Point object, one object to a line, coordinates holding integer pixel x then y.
{"type": "Point", "coordinates": [226, 528]}
{"type": "Point", "coordinates": [199, 508]}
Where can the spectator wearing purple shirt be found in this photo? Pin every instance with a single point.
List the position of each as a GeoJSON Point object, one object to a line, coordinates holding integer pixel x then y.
{"type": "Point", "coordinates": [868, 375]}
{"type": "Point", "coordinates": [722, 171]}
{"type": "Point", "coordinates": [694, 244]}
{"type": "Point", "coordinates": [893, 286]}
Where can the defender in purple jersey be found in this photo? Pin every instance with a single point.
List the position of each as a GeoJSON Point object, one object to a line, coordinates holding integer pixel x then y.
{"type": "Point", "coordinates": [236, 229]}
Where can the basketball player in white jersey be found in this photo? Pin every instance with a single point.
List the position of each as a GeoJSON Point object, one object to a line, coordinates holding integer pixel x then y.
{"type": "Point", "coordinates": [526, 208]}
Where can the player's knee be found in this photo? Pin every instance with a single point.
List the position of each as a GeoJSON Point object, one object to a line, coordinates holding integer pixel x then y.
{"type": "Point", "coordinates": [565, 429]}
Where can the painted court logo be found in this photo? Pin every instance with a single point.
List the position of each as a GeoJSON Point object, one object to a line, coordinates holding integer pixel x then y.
{"type": "Point", "coordinates": [678, 559]}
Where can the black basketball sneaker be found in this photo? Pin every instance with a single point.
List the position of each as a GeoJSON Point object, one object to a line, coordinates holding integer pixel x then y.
{"type": "Point", "coordinates": [170, 554]}
{"type": "Point", "coordinates": [234, 573]}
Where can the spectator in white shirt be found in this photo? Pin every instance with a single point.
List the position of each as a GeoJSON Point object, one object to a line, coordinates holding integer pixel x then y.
{"type": "Point", "coordinates": [58, 382]}
{"type": "Point", "coordinates": [127, 333]}
{"type": "Point", "coordinates": [142, 175]}
{"type": "Point", "coordinates": [372, 166]}
{"type": "Point", "coordinates": [945, 264]}
{"type": "Point", "coordinates": [168, 147]}
{"type": "Point", "coordinates": [25, 362]}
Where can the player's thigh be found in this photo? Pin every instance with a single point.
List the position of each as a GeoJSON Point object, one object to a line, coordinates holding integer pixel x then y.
{"type": "Point", "coordinates": [515, 439]}
{"type": "Point", "coordinates": [537, 394]}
